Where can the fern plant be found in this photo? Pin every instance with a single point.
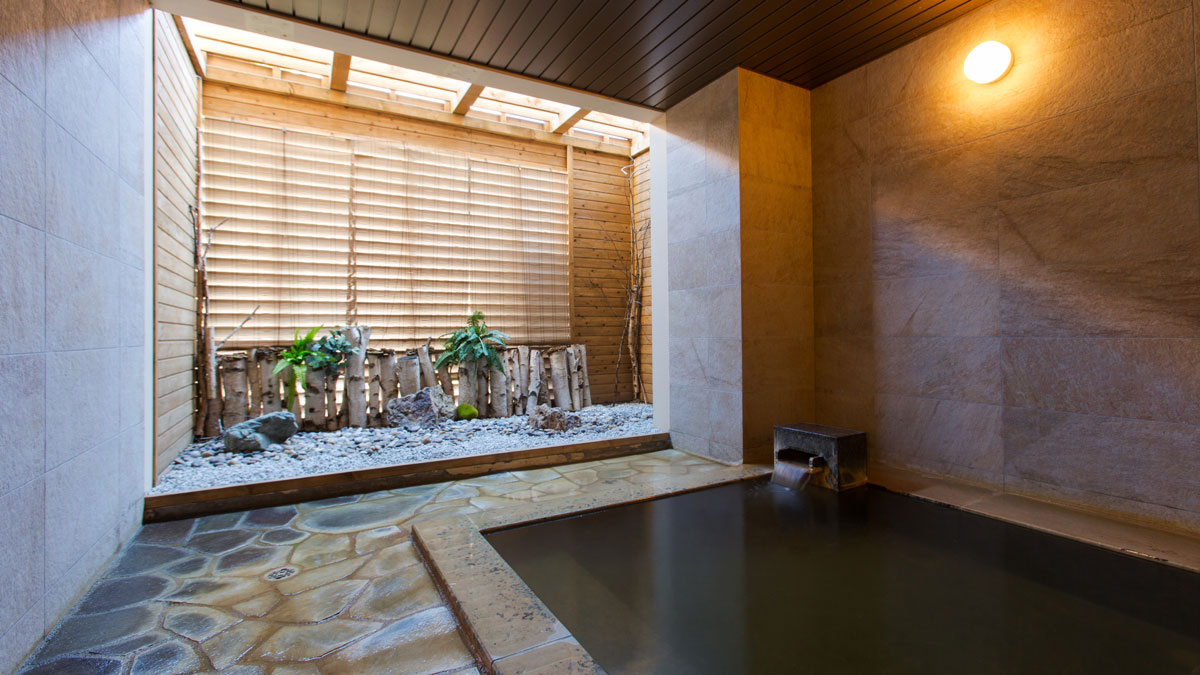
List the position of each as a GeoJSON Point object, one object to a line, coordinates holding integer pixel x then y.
{"type": "Point", "coordinates": [475, 341]}
{"type": "Point", "coordinates": [305, 354]}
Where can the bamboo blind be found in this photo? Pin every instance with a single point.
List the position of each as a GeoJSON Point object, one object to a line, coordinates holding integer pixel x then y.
{"type": "Point", "coordinates": [319, 229]}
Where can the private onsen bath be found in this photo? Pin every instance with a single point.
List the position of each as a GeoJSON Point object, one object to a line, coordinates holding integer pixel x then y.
{"type": "Point", "coordinates": [671, 336]}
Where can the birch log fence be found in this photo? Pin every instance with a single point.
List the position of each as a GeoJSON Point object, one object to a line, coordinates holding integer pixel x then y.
{"type": "Point", "coordinates": [244, 384]}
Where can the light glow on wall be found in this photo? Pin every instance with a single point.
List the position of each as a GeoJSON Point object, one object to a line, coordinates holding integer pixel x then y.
{"type": "Point", "coordinates": [988, 62]}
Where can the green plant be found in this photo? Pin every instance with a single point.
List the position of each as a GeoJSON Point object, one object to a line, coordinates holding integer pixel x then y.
{"type": "Point", "coordinates": [304, 355]}
{"type": "Point", "coordinates": [466, 411]}
{"type": "Point", "coordinates": [297, 356]}
{"type": "Point", "coordinates": [468, 345]}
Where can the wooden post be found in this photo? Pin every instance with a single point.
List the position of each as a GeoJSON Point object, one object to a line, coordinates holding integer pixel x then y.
{"type": "Point", "coordinates": [387, 379]}
{"type": "Point", "coordinates": [585, 383]}
{"type": "Point", "coordinates": [373, 409]}
{"type": "Point", "coordinates": [211, 424]}
{"type": "Point", "coordinates": [356, 395]}
{"type": "Point", "coordinates": [573, 379]}
{"type": "Point", "coordinates": [443, 378]}
{"type": "Point", "coordinates": [536, 385]}
{"type": "Point", "coordinates": [481, 388]}
{"type": "Point", "coordinates": [331, 407]}
{"type": "Point", "coordinates": [268, 381]}
{"type": "Point", "coordinates": [314, 400]}
{"type": "Point", "coordinates": [408, 375]}
{"type": "Point", "coordinates": [428, 378]}
{"type": "Point", "coordinates": [498, 382]}
{"type": "Point", "coordinates": [559, 380]}
{"type": "Point", "coordinates": [234, 402]}
{"type": "Point", "coordinates": [467, 394]}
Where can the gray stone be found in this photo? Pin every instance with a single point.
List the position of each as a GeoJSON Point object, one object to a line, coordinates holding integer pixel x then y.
{"type": "Point", "coordinates": [260, 433]}
{"type": "Point", "coordinates": [142, 558]}
{"type": "Point", "coordinates": [424, 408]}
{"type": "Point", "coordinates": [118, 593]}
{"type": "Point", "coordinates": [556, 419]}
{"type": "Point", "coordinates": [77, 666]}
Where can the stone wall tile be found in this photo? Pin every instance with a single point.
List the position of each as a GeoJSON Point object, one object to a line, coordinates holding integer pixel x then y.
{"type": "Point", "coordinates": [80, 95]}
{"type": "Point", "coordinates": [945, 243]}
{"type": "Point", "coordinates": [81, 194]}
{"type": "Point", "coordinates": [22, 288]}
{"type": "Point", "coordinates": [945, 181]}
{"type": "Point", "coordinates": [957, 368]}
{"type": "Point", "coordinates": [22, 419]}
{"type": "Point", "coordinates": [966, 304]}
{"type": "Point", "coordinates": [81, 386]}
{"type": "Point", "coordinates": [1137, 217]}
{"type": "Point", "coordinates": [22, 558]}
{"type": "Point", "coordinates": [928, 434]}
{"type": "Point", "coordinates": [23, 48]}
{"type": "Point", "coordinates": [22, 145]}
{"type": "Point", "coordinates": [84, 288]}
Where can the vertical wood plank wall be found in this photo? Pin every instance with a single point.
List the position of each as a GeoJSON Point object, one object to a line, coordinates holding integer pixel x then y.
{"type": "Point", "coordinates": [600, 209]}
{"type": "Point", "coordinates": [176, 97]}
{"type": "Point", "coordinates": [641, 214]}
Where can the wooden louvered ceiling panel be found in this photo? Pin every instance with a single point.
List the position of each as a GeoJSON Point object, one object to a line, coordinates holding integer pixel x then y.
{"type": "Point", "coordinates": [650, 52]}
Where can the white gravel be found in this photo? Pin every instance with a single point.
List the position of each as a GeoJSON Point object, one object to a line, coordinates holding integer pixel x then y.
{"type": "Point", "coordinates": [207, 465]}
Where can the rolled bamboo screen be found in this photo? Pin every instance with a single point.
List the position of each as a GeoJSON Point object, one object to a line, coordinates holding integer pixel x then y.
{"type": "Point", "coordinates": [319, 229]}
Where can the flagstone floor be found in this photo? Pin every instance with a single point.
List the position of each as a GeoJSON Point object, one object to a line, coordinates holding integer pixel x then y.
{"type": "Point", "coordinates": [325, 587]}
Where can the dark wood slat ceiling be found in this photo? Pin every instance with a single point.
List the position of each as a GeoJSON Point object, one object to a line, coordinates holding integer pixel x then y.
{"type": "Point", "coordinates": [649, 52]}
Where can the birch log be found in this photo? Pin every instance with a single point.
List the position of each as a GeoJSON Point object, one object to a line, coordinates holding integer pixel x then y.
{"type": "Point", "coordinates": [498, 384]}
{"type": "Point", "coordinates": [443, 378]}
{"type": "Point", "coordinates": [581, 359]}
{"type": "Point", "coordinates": [522, 380]}
{"type": "Point", "coordinates": [408, 375]}
{"type": "Point", "coordinates": [314, 400]}
{"type": "Point", "coordinates": [533, 379]}
{"type": "Point", "coordinates": [387, 378]}
{"type": "Point", "coordinates": [268, 381]}
{"type": "Point", "coordinates": [372, 365]}
{"type": "Point", "coordinates": [481, 388]}
{"type": "Point", "coordinates": [467, 394]}
{"type": "Point", "coordinates": [233, 378]}
{"type": "Point", "coordinates": [212, 388]}
{"type": "Point", "coordinates": [428, 378]}
{"type": "Point", "coordinates": [516, 396]}
{"type": "Point", "coordinates": [255, 383]}
{"type": "Point", "coordinates": [331, 408]}
{"type": "Point", "coordinates": [559, 380]}
{"type": "Point", "coordinates": [356, 395]}
{"type": "Point", "coordinates": [573, 378]}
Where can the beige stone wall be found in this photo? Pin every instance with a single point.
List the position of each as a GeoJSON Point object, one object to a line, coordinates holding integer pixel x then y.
{"type": "Point", "coordinates": [776, 248]}
{"type": "Point", "coordinates": [704, 274]}
{"type": "Point", "coordinates": [1007, 275]}
{"type": "Point", "coordinates": [72, 109]}
{"type": "Point", "coordinates": [739, 223]}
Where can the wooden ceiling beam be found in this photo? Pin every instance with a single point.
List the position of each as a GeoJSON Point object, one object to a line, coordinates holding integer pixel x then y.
{"type": "Point", "coordinates": [466, 99]}
{"type": "Point", "coordinates": [564, 124]}
{"type": "Point", "coordinates": [185, 34]}
{"type": "Point", "coordinates": [339, 71]}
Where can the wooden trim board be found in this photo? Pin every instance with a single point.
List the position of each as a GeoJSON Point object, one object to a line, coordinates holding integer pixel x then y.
{"type": "Point", "coordinates": [196, 503]}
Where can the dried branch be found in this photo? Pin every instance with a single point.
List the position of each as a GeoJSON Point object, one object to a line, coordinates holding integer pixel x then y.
{"type": "Point", "coordinates": [239, 327]}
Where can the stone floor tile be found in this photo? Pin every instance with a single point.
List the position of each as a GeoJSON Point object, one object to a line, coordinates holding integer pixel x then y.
{"type": "Point", "coordinates": [221, 521]}
{"type": "Point", "coordinates": [196, 622]}
{"type": "Point", "coordinates": [390, 560]}
{"type": "Point", "coordinates": [453, 492]}
{"type": "Point", "coordinates": [132, 645]}
{"type": "Point", "coordinates": [362, 515]}
{"type": "Point", "coordinates": [283, 535]}
{"type": "Point", "coordinates": [296, 669]}
{"type": "Point", "coordinates": [258, 605]}
{"type": "Point", "coordinates": [312, 641]}
{"type": "Point", "coordinates": [77, 666]}
{"type": "Point", "coordinates": [319, 604]}
{"type": "Point", "coordinates": [582, 477]}
{"type": "Point", "coordinates": [322, 549]}
{"type": "Point", "coordinates": [380, 537]}
{"type": "Point", "coordinates": [220, 542]}
{"type": "Point", "coordinates": [319, 576]}
{"type": "Point", "coordinates": [395, 595]}
{"type": "Point", "coordinates": [559, 486]}
{"type": "Point", "coordinates": [77, 633]}
{"type": "Point", "coordinates": [537, 475]}
{"type": "Point", "coordinates": [608, 474]}
{"type": "Point", "coordinates": [426, 642]}
{"type": "Point", "coordinates": [189, 568]}
{"type": "Point", "coordinates": [331, 501]}
{"type": "Point", "coordinates": [122, 592]}
{"type": "Point", "coordinates": [168, 658]}
{"type": "Point", "coordinates": [502, 489]}
{"type": "Point", "coordinates": [173, 532]}
{"type": "Point", "coordinates": [225, 648]}
{"type": "Point", "coordinates": [485, 502]}
{"type": "Point", "coordinates": [143, 558]}
{"type": "Point", "coordinates": [223, 591]}
{"type": "Point", "coordinates": [489, 480]}
{"type": "Point", "coordinates": [275, 516]}
{"type": "Point", "coordinates": [420, 490]}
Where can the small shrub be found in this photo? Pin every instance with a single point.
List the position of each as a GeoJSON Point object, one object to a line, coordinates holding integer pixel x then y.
{"type": "Point", "coordinates": [466, 411]}
{"type": "Point", "coordinates": [468, 345]}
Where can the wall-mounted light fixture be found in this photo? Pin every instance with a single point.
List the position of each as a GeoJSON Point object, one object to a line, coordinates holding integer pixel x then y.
{"type": "Point", "coordinates": [988, 62]}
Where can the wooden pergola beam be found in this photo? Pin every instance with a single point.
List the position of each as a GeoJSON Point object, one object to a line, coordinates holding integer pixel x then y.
{"type": "Point", "coordinates": [185, 34]}
{"type": "Point", "coordinates": [339, 72]}
{"type": "Point", "coordinates": [467, 99]}
{"type": "Point", "coordinates": [564, 124]}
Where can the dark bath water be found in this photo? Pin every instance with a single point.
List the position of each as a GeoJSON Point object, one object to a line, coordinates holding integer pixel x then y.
{"type": "Point", "coordinates": [753, 578]}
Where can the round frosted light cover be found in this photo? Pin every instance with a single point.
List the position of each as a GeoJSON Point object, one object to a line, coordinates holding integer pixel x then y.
{"type": "Point", "coordinates": [988, 62]}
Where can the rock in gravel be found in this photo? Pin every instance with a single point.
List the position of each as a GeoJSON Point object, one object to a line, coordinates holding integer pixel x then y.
{"type": "Point", "coordinates": [261, 432]}
{"type": "Point", "coordinates": [557, 419]}
{"type": "Point", "coordinates": [424, 408]}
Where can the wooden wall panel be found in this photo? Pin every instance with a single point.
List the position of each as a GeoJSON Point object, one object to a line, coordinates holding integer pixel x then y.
{"type": "Point", "coordinates": [599, 205]}
{"type": "Point", "coordinates": [176, 97]}
{"type": "Point", "coordinates": [641, 215]}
